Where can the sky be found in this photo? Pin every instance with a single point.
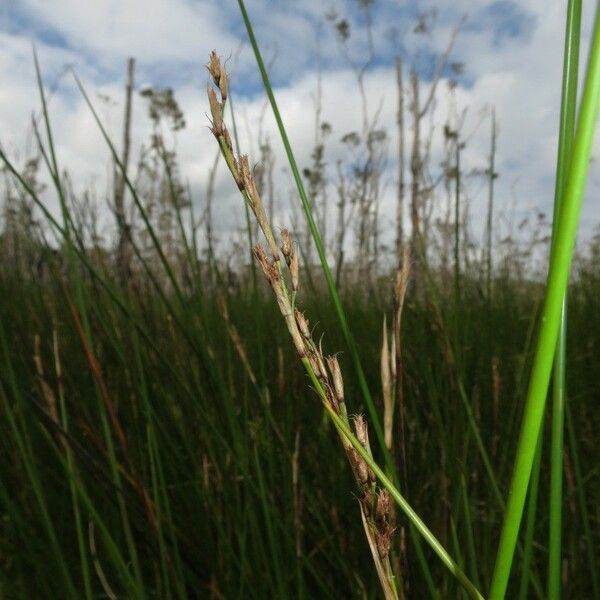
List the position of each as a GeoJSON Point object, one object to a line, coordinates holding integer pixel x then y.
{"type": "Point", "coordinates": [511, 52]}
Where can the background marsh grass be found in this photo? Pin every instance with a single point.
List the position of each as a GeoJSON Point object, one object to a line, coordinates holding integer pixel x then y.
{"type": "Point", "coordinates": [142, 456]}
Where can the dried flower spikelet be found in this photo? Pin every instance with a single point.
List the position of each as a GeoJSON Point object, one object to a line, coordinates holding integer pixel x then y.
{"type": "Point", "coordinates": [359, 466]}
{"type": "Point", "coordinates": [248, 182]}
{"type": "Point", "coordinates": [216, 111]}
{"type": "Point", "coordinates": [302, 324]}
{"type": "Point", "coordinates": [286, 245]}
{"type": "Point", "coordinates": [291, 258]}
{"type": "Point", "coordinates": [384, 505]}
{"type": "Point", "coordinates": [360, 426]}
{"type": "Point", "coordinates": [319, 355]}
{"type": "Point", "coordinates": [218, 73]}
{"type": "Point", "coordinates": [362, 433]}
{"type": "Point", "coordinates": [267, 266]}
{"type": "Point", "coordinates": [383, 540]}
{"type": "Point", "coordinates": [314, 363]}
{"type": "Point", "coordinates": [224, 85]}
{"type": "Point", "coordinates": [336, 376]}
{"type": "Point", "coordinates": [295, 271]}
{"type": "Point", "coordinates": [214, 67]}
{"type": "Point", "coordinates": [367, 500]}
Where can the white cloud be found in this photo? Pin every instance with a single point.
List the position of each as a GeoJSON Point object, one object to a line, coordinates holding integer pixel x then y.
{"type": "Point", "coordinates": [520, 77]}
{"type": "Point", "coordinates": [154, 30]}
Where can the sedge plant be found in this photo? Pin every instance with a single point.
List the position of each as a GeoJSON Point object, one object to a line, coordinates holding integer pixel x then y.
{"type": "Point", "coordinates": [324, 372]}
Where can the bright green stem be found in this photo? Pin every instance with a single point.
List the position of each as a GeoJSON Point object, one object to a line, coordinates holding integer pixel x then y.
{"type": "Point", "coordinates": [560, 261]}
{"type": "Point", "coordinates": [532, 501]}
{"type": "Point", "coordinates": [341, 315]}
{"type": "Point", "coordinates": [565, 141]}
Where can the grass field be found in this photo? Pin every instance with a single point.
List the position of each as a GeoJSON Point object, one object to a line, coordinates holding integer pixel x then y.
{"type": "Point", "coordinates": [160, 437]}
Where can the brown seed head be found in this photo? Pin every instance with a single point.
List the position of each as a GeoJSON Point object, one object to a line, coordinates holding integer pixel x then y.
{"type": "Point", "coordinates": [295, 271]}
{"type": "Point", "coordinates": [302, 324]}
{"type": "Point", "coordinates": [250, 188]}
{"type": "Point", "coordinates": [267, 266]}
{"type": "Point", "coordinates": [216, 111]}
{"type": "Point", "coordinates": [360, 426]}
{"type": "Point", "coordinates": [384, 504]}
{"type": "Point", "coordinates": [336, 375]}
{"type": "Point", "coordinates": [314, 363]}
{"type": "Point", "coordinates": [218, 74]}
{"type": "Point", "coordinates": [384, 543]}
{"type": "Point", "coordinates": [362, 433]}
{"type": "Point", "coordinates": [286, 245]}
{"type": "Point", "coordinates": [359, 466]}
{"type": "Point", "coordinates": [214, 67]}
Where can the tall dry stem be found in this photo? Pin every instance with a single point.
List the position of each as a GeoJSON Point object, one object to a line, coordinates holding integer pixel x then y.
{"type": "Point", "coordinates": [324, 371]}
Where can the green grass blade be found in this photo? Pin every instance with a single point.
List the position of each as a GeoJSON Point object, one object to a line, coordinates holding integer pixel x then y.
{"type": "Point", "coordinates": [534, 487]}
{"type": "Point", "coordinates": [560, 262]}
{"type": "Point", "coordinates": [340, 313]}
{"type": "Point", "coordinates": [567, 127]}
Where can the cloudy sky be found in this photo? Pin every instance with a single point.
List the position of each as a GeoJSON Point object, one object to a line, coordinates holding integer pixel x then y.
{"type": "Point", "coordinates": [512, 55]}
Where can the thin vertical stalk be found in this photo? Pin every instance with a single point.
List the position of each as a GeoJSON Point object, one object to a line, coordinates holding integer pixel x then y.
{"type": "Point", "coordinates": [457, 227]}
{"type": "Point", "coordinates": [490, 212]}
{"type": "Point", "coordinates": [341, 315]}
{"type": "Point", "coordinates": [246, 209]}
{"type": "Point", "coordinates": [560, 262]}
{"type": "Point", "coordinates": [565, 141]}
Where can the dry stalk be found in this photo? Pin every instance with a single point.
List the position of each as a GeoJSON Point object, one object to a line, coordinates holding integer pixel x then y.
{"type": "Point", "coordinates": [297, 495]}
{"type": "Point", "coordinates": [393, 399]}
{"type": "Point", "coordinates": [97, 565]}
{"type": "Point", "coordinates": [47, 391]}
{"type": "Point", "coordinates": [234, 335]}
{"type": "Point", "coordinates": [324, 371]}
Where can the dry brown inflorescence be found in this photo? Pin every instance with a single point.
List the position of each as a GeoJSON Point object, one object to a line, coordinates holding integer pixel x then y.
{"type": "Point", "coordinates": [324, 371]}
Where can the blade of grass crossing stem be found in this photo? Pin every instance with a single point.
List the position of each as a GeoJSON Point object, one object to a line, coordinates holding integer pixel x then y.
{"type": "Point", "coordinates": [566, 129]}
{"type": "Point", "coordinates": [341, 315]}
{"type": "Point", "coordinates": [560, 262]}
{"type": "Point", "coordinates": [435, 545]}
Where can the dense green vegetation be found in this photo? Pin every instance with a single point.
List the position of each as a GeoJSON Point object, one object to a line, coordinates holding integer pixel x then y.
{"type": "Point", "coordinates": [215, 452]}
{"type": "Point", "coordinates": [159, 437]}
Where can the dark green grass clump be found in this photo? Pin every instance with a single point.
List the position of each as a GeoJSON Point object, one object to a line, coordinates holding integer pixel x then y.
{"type": "Point", "coordinates": [132, 427]}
